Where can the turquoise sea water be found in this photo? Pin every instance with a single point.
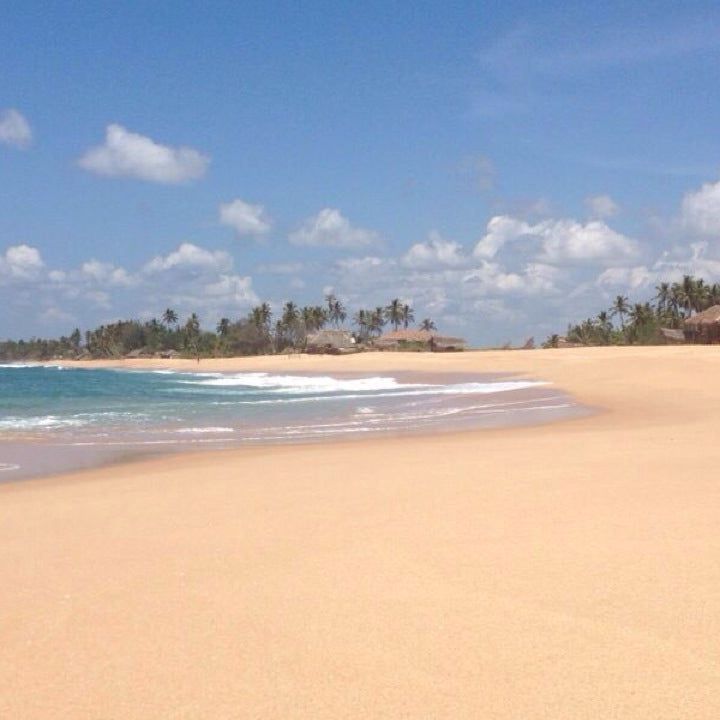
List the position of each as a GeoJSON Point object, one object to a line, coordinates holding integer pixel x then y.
{"type": "Point", "coordinates": [83, 414]}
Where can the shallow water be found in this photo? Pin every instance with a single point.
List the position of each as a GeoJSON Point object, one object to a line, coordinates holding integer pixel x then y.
{"type": "Point", "coordinates": [54, 418]}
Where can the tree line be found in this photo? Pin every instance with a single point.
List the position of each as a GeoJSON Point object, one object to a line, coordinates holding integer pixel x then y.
{"type": "Point", "coordinates": [259, 332]}
{"type": "Point", "coordinates": [640, 323]}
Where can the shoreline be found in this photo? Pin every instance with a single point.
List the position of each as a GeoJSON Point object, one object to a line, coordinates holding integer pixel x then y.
{"type": "Point", "coordinates": [35, 453]}
{"type": "Point", "coordinates": [568, 570]}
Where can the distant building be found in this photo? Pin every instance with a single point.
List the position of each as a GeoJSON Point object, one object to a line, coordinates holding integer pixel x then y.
{"type": "Point", "coordinates": [671, 336]}
{"type": "Point", "coordinates": [419, 340]}
{"type": "Point", "coordinates": [703, 327]}
{"type": "Point", "coordinates": [333, 342]}
{"type": "Point", "coordinates": [139, 353]}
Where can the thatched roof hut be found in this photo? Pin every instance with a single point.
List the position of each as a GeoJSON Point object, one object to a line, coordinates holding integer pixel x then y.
{"type": "Point", "coordinates": [704, 326]}
{"type": "Point", "coordinates": [711, 316]}
{"type": "Point", "coordinates": [672, 336]}
{"type": "Point", "coordinates": [138, 353]}
{"type": "Point", "coordinates": [330, 341]}
{"type": "Point", "coordinates": [418, 339]}
{"type": "Point", "coordinates": [169, 354]}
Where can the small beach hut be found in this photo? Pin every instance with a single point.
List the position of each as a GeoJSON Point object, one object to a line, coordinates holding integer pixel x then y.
{"type": "Point", "coordinates": [333, 342]}
{"type": "Point", "coordinates": [419, 340]}
{"type": "Point", "coordinates": [138, 353]}
{"type": "Point", "coordinates": [704, 327]}
{"type": "Point", "coordinates": [169, 354]}
{"type": "Point", "coordinates": [671, 336]}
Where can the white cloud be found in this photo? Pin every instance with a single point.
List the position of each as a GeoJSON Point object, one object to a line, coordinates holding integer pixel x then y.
{"type": "Point", "coordinates": [14, 129]}
{"type": "Point", "coordinates": [106, 273]}
{"type": "Point", "coordinates": [570, 241]}
{"type": "Point", "coordinates": [500, 230]}
{"type": "Point", "coordinates": [57, 276]}
{"type": "Point", "coordinates": [562, 241]}
{"type": "Point", "coordinates": [234, 289]}
{"type": "Point", "coordinates": [701, 210]}
{"type": "Point", "coordinates": [191, 257]}
{"type": "Point", "coordinates": [669, 267]}
{"type": "Point", "coordinates": [330, 228]}
{"type": "Point", "coordinates": [601, 206]}
{"type": "Point", "coordinates": [245, 218]}
{"type": "Point", "coordinates": [128, 154]}
{"type": "Point", "coordinates": [56, 315]}
{"type": "Point", "coordinates": [627, 277]}
{"type": "Point", "coordinates": [435, 252]}
{"type": "Point", "coordinates": [360, 265]}
{"type": "Point", "coordinates": [21, 261]}
{"type": "Point", "coordinates": [189, 278]}
{"type": "Point", "coordinates": [492, 279]}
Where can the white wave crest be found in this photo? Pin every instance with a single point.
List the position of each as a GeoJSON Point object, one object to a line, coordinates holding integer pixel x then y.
{"type": "Point", "coordinates": [201, 430]}
{"type": "Point", "coordinates": [40, 422]}
{"type": "Point", "coordinates": [298, 383]}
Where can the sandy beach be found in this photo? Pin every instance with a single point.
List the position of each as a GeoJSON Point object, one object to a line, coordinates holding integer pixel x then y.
{"type": "Point", "coordinates": [563, 571]}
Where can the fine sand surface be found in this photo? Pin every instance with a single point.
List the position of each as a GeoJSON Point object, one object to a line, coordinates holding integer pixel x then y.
{"type": "Point", "coordinates": [565, 571]}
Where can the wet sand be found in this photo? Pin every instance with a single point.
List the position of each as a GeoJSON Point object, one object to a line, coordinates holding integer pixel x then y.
{"type": "Point", "coordinates": [351, 413]}
{"type": "Point", "coordinates": [561, 571]}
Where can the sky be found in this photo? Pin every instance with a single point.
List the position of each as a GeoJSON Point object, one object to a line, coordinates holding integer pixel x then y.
{"type": "Point", "coordinates": [504, 167]}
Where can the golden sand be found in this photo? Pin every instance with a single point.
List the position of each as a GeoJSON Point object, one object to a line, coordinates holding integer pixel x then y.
{"type": "Point", "coordinates": [566, 571]}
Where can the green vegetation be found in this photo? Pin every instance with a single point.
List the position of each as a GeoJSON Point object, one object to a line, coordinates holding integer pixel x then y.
{"type": "Point", "coordinates": [640, 323]}
{"type": "Point", "coordinates": [254, 334]}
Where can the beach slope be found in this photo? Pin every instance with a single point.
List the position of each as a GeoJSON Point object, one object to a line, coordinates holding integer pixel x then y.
{"type": "Point", "coordinates": [563, 571]}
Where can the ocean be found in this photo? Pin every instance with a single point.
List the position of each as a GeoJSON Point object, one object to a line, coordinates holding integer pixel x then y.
{"type": "Point", "coordinates": [55, 418]}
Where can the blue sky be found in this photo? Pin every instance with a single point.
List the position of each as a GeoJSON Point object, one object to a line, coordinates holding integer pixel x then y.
{"type": "Point", "coordinates": [505, 167]}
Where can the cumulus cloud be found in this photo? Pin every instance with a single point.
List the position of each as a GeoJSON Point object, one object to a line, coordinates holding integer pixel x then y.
{"type": "Point", "coordinates": [189, 278]}
{"type": "Point", "coordinates": [331, 229]}
{"type": "Point", "coordinates": [190, 257]}
{"type": "Point", "coordinates": [701, 210]}
{"type": "Point", "coordinates": [128, 154]}
{"type": "Point", "coordinates": [21, 261]}
{"type": "Point", "coordinates": [601, 206]}
{"type": "Point", "coordinates": [562, 241]}
{"type": "Point", "coordinates": [236, 289]}
{"type": "Point", "coordinates": [245, 218]}
{"type": "Point", "coordinates": [14, 129]}
{"type": "Point", "coordinates": [500, 230]}
{"type": "Point", "coordinates": [671, 266]}
{"type": "Point", "coordinates": [360, 265]}
{"type": "Point", "coordinates": [627, 277]}
{"type": "Point", "coordinates": [434, 252]}
{"type": "Point", "coordinates": [492, 279]}
{"type": "Point", "coordinates": [104, 273]}
{"type": "Point", "coordinates": [570, 241]}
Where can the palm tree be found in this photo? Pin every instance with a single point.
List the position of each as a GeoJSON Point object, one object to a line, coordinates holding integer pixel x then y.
{"type": "Point", "coordinates": [192, 335]}
{"type": "Point", "coordinates": [620, 307]}
{"type": "Point", "coordinates": [701, 295]}
{"type": "Point", "coordinates": [363, 319]}
{"type": "Point", "coordinates": [290, 313]}
{"type": "Point", "coordinates": [377, 320]}
{"type": "Point", "coordinates": [223, 327]}
{"type": "Point", "coordinates": [663, 296]}
{"type": "Point", "coordinates": [428, 324]}
{"type": "Point", "coordinates": [393, 313]}
{"type": "Point", "coordinates": [407, 315]}
{"type": "Point", "coordinates": [688, 294]}
{"type": "Point", "coordinates": [170, 317]}
{"type": "Point", "coordinates": [714, 294]}
{"type": "Point", "coordinates": [335, 310]}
